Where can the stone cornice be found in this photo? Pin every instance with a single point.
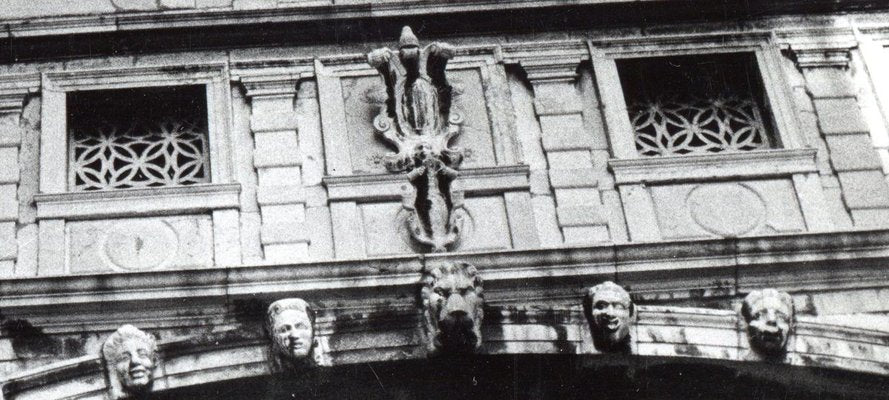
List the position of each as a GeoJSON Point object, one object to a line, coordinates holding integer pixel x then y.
{"type": "Point", "coordinates": [823, 55]}
{"type": "Point", "coordinates": [547, 61]}
{"type": "Point", "coordinates": [707, 336]}
{"type": "Point", "coordinates": [833, 260]}
{"type": "Point", "coordinates": [14, 88]}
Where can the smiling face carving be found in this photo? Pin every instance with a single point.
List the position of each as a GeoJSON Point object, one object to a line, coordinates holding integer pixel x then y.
{"type": "Point", "coordinates": [130, 355]}
{"type": "Point", "coordinates": [452, 308]}
{"type": "Point", "coordinates": [769, 316]}
{"type": "Point", "coordinates": [290, 324]}
{"type": "Point", "coordinates": [610, 313]}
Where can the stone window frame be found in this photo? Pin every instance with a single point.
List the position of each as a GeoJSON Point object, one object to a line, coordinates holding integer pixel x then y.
{"type": "Point", "coordinates": [776, 94]}
{"type": "Point", "coordinates": [795, 160]}
{"type": "Point", "coordinates": [56, 200]}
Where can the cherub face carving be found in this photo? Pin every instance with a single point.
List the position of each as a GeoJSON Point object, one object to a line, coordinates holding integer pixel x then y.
{"type": "Point", "coordinates": [290, 323]}
{"type": "Point", "coordinates": [131, 355]}
{"type": "Point", "coordinates": [452, 308]}
{"type": "Point", "coordinates": [610, 312]}
{"type": "Point", "coordinates": [769, 316]}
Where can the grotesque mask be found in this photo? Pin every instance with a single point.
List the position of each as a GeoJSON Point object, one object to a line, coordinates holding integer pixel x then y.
{"type": "Point", "coordinates": [290, 324]}
{"type": "Point", "coordinates": [769, 316]}
{"type": "Point", "coordinates": [452, 308]}
{"type": "Point", "coordinates": [610, 312]}
{"type": "Point", "coordinates": [130, 355]}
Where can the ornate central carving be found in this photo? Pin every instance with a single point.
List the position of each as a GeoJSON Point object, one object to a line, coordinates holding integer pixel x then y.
{"type": "Point", "coordinates": [418, 120]}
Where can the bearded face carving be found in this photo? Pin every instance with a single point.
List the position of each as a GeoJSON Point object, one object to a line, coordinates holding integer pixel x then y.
{"type": "Point", "coordinates": [130, 356]}
{"type": "Point", "coordinates": [769, 317]}
{"type": "Point", "coordinates": [452, 308]}
{"type": "Point", "coordinates": [290, 323]}
{"type": "Point", "coordinates": [610, 313]}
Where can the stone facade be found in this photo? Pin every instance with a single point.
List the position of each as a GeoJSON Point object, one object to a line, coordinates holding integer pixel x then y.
{"type": "Point", "coordinates": [373, 191]}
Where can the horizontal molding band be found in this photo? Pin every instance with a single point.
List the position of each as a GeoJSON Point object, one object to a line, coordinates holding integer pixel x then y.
{"type": "Point", "coordinates": [703, 167]}
{"type": "Point", "coordinates": [137, 202]}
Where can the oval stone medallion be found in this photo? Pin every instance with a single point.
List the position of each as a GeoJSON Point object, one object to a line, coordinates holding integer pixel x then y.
{"type": "Point", "coordinates": [140, 245]}
{"type": "Point", "coordinates": [726, 209]}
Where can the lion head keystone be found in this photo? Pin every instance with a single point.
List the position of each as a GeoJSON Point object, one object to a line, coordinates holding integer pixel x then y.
{"type": "Point", "coordinates": [452, 308]}
{"type": "Point", "coordinates": [769, 317]}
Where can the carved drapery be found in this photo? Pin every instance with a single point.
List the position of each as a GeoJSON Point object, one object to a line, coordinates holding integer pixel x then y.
{"type": "Point", "coordinates": [417, 119]}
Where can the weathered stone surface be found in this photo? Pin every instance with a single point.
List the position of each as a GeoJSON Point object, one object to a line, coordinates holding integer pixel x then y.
{"type": "Point", "coordinates": [9, 167]}
{"type": "Point", "coordinates": [829, 82]}
{"type": "Point", "coordinates": [140, 244]}
{"type": "Point", "coordinates": [852, 152]}
{"type": "Point", "coordinates": [839, 116]}
{"type": "Point", "coordinates": [864, 189]}
{"type": "Point", "coordinates": [9, 205]}
{"type": "Point", "coordinates": [8, 244]}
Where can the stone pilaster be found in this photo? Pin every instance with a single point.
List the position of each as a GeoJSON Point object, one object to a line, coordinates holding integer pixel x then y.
{"type": "Point", "coordinates": [843, 128]}
{"type": "Point", "coordinates": [278, 162]}
{"type": "Point", "coordinates": [568, 146]}
{"type": "Point", "coordinates": [13, 90]}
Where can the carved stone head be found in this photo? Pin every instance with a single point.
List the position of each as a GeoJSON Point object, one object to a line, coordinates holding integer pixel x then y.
{"type": "Point", "coordinates": [130, 357]}
{"type": "Point", "coordinates": [291, 325]}
{"type": "Point", "coordinates": [769, 317]}
{"type": "Point", "coordinates": [610, 312]}
{"type": "Point", "coordinates": [452, 308]}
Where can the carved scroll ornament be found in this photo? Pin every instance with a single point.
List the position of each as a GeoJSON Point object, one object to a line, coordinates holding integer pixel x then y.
{"type": "Point", "coordinates": [417, 119]}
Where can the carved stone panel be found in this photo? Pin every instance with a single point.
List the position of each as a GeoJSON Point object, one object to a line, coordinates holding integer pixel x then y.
{"type": "Point", "coordinates": [364, 95]}
{"type": "Point", "coordinates": [140, 244]}
{"type": "Point", "coordinates": [727, 209]}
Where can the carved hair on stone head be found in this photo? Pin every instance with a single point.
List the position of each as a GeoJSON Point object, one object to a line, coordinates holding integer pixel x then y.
{"type": "Point", "coordinates": [769, 317]}
{"type": "Point", "coordinates": [610, 312]}
{"type": "Point", "coordinates": [304, 354]}
{"type": "Point", "coordinates": [408, 39]}
{"type": "Point", "coordinates": [452, 301]}
{"type": "Point", "coordinates": [130, 370]}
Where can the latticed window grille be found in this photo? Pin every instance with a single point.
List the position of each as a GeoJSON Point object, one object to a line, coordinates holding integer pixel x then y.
{"type": "Point", "coordinates": [705, 104]}
{"type": "Point", "coordinates": [138, 138]}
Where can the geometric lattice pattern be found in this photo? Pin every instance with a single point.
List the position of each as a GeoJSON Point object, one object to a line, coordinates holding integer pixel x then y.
{"type": "Point", "coordinates": [692, 124]}
{"type": "Point", "coordinates": [136, 154]}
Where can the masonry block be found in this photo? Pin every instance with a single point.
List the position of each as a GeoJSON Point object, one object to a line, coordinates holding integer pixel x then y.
{"type": "Point", "coordinates": [840, 116]}
{"type": "Point", "coordinates": [572, 178]}
{"type": "Point", "coordinates": [852, 152]}
{"type": "Point", "coordinates": [276, 176]}
{"type": "Point", "coordinates": [569, 159]}
{"type": "Point", "coordinates": [284, 233]}
{"type": "Point", "coordinates": [177, 3]}
{"type": "Point", "coordinates": [539, 181]}
{"type": "Point", "coordinates": [556, 98]}
{"type": "Point", "coordinates": [278, 148]}
{"type": "Point", "coordinates": [829, 82]}
{"type": "Point", "coordinates": [277, 121]}
{"type": "Point", "coordinates": [287, 252]}
{"type": "Point", "coordinates": [564, 132]}
{"type": "Point", "coordinates": [577, 197]}
{"type": "Point", "coordinates": [8, 245]}
{"type": "Point", "coordinates": [871, 218]}
{"type": "Point", "coordinates": [580, 235]}
{"type": "Point", "coordinates": [284, 214]}
{"type": "Point", "coordinates": [580, 215]}
{"type": "Point", "coordinates": [864, 189]}
{"type": "Point", "coordinates": [212, 3]}
{"type": "Point", "coordinates": [9, 164]}
{"type": "Point", "coordinates": [280, 194]}
{"type": "Point", "coordinates": [9, 206]}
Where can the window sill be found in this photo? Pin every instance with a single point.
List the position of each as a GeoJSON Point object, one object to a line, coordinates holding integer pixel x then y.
{"type": "Point", "coordinates": [749, 164]}
{"type": "Point", "coordinates": [137, 202]}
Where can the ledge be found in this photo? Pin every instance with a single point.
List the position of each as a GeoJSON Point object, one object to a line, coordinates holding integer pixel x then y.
{"type": "Point", "coordinates": [701, 167]}
{"type": "Point", "coordinates": [137, 202]}
{"type": "Point", "coordinates": [388, 187]}
{"type": "Point", "coordinates": [659, 334]}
